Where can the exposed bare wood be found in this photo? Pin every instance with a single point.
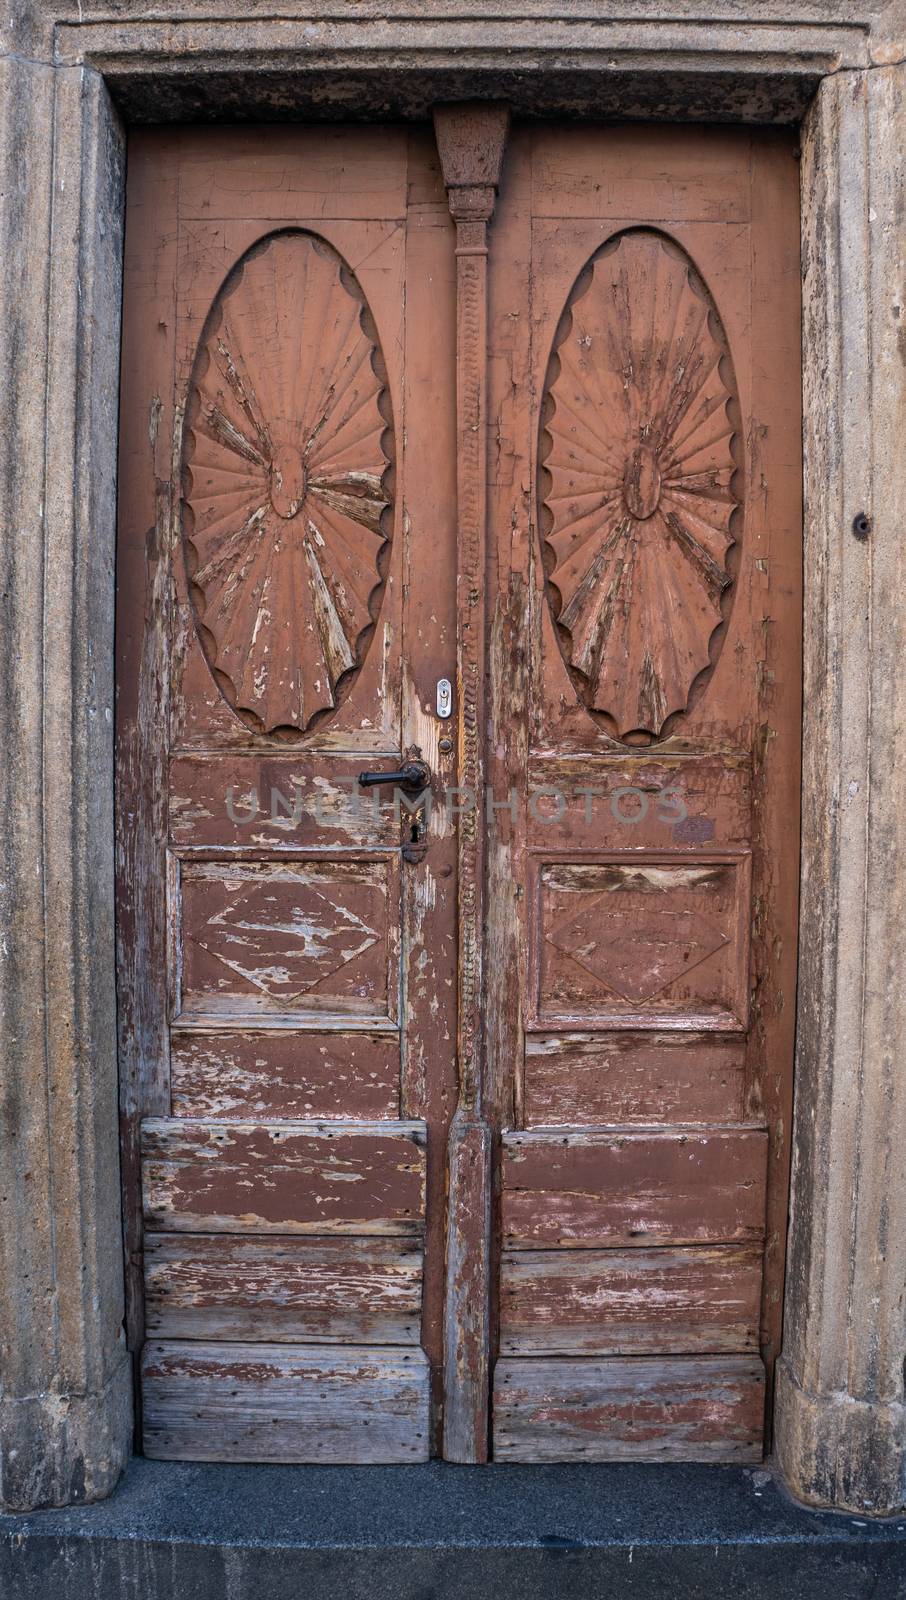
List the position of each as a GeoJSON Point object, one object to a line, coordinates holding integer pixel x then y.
{"type": "Point", "coordinates": [615, 1187]}
{"type": "Point", "coordinates": [638, 509]}
{"type": "Point", "coordinates": [321, 1291]}
{"type": "Point", "coordinates": [609, 1302]}
{"type": "Point", "coordinates": [288, 503]}
{"type": "Point", "coordinates": [286, 935]}
{"type": "Point", "coordinates": [697, 1408]}
{"type": "Point", "coordinates": [283, 1177]}
{"type": "Point", "coordinates": [646, 801]}
{"type": "Point", "coordinates": [259, 1402]}
{"type": "Point", "coordinates": [295, 1075]}
{"type": "Point", "coordinates": [583, 1079]}
{"type": "Point", "coordinates": [271, 802]}
{"type": "Point", "coordinates": [625, 383]}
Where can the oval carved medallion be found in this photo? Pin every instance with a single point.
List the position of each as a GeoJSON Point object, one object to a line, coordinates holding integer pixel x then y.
{"type": "Point", "coordinates": [288, 506]}
{"type": "Point", "coordinates": [638, 494]}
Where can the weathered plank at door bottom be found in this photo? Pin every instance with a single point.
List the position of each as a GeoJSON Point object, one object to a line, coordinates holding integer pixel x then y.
{"type": "Point", "coordinates": [646, 1408]}
{"type": "Point", "coordinates": [290, 1290]}
{"type": "Point", "coordinates": [628, 1302]}
{"type": "Point", "coordinates": [260, 1402]}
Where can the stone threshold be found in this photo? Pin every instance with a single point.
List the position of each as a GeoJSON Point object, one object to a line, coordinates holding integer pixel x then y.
{"type": "Point", "coordinates": [191, 1531]}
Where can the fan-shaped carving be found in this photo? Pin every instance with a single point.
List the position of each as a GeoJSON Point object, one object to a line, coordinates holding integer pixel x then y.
{"type": "Point", "coordinates": [286, 483]}
{"type": "Point", "coordinates": [637, 481]}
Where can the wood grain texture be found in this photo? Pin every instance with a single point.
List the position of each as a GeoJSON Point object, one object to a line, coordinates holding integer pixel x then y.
{"type": "Point", "coordinates": [283, 1177]}
{"type": "Point", "coordinates": [301, 296]}
{"type": "Point", "coordinates": [321, 1291]}
{"type": "Point", "coordinates": [644, 801]}
{"type": "Point", "coordinates": [583, 1080]}
{"type": "Point", "coordinates": [609, 1302]}
{"type": "Point", "coordinates": [638, 456]}
{"type": "Point", "coordinates": [614, 1188]}
{"type": "Point", "coordinates": [642, 938]}
{"type": "Point", "coordinates": [288, 935]}
{"type": "Point", "coordinates": [471, 138]}
{"type": "Point", "coordinates": [259, 1402]}
{"type": "Point", "coordinates": [705, 1408]}
{"type": "Point", "coordinates": [275, 801]}
{"type": "Point", "coordinates": [287, 457]}
{"type": "Point", "coordinates": [292, 1075]}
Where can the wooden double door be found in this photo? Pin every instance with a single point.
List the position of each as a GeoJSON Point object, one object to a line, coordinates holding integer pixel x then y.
{"type": "Point", "coordinates": [456, 1107]}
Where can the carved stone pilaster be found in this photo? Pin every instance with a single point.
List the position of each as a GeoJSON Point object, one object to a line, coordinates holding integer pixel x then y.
{"type": "Point", "coordinates": [66, 1403]}
{"type": "Point", "coordinates": [841, 1412]}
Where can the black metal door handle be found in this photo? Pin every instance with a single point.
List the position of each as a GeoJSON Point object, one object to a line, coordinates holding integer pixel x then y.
{"type": "Point", "coordinates": [412, 778]}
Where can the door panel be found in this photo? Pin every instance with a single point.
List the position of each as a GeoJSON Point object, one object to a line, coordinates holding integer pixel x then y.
{"type": "Point", "coordinates": [286, 607]}
{"type": "Point", "coordinates": [645, 559]}
{"type": "Point", "coordinates": [344, 478]}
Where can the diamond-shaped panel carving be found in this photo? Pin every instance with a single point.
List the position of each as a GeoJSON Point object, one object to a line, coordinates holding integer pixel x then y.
{"type": "Point", "coordinates": [638, 951]}
{"type": "Point", "coordinates": [667, 937]}
{"type": "Point", "coordinates": [280, 935]}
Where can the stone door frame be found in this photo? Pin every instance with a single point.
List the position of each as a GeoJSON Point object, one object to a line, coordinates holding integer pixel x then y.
{"type": "Point", "coordinates": [73, 76]}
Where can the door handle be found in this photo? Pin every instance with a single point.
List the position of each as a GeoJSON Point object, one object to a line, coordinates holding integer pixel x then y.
{"type": "Point", "coordinates": [412, 778]}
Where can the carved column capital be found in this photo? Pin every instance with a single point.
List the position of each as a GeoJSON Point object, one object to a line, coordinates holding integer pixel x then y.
{"type": "Point", "coordinates": [471, 137]}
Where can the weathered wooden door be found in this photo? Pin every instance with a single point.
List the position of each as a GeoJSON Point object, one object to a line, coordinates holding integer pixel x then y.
{"type": "Point", "coordinates": [467, 1121]}
{"type": "Point", "coordinates": [645, 702]}
{"type": "Point", "coordinates": [286, 582]}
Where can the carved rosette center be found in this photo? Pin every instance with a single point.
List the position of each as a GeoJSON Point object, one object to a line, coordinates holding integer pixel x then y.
{"type": "Point", "coordinates": [288, 481]}
{"type": "Point", "coordinates": [642, 483]}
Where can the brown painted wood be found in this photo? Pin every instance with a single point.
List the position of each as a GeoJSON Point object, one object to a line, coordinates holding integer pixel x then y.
{"type": "Point", "coordinates": [693, 1408]}
{"type": "Point", "coordinates": [645, 619]}
{"type": "Point", "coordinates": [610, 1302]}
{"type": "Point", "coordinates": [321, 1291]}
{"type": "Point", "coordinates": [286, 606]}
{"type": "Point", "coordinates": [470, 140]}
{"type": "Point", "coordinates": [580, 1079]}
{"type": "Point", "coordinates": [370, 440]}
{"type": "Point", "coordinates": [616, 1187]}
{"type": "Point", "coordinates": [295, 1075]}
{"type": "Point", "coordinates": [283, 1177]}
{"type": "Point", "coordinates": [259, 1402]}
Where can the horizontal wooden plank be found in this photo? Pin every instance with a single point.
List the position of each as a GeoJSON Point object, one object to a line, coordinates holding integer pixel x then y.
{"type": "Point", "coordinates": [352, 172]}
{"type": "Point", "coordinates": [612, 1302]}
{"type": "Point", "coordinates": [277, 802]}
{"type": "Point", "coordinates": [580, 1079]}
{"type": "Point", "coordinates": [702, 176]}
{"type": "Point", "coordinates": [283, 1177]}
{"type": "Point", "coordinates": [650, 803]}
{"type": "Point", "coordinates": [693, 1408]}
{"type": "Point", "coordinates": [611, 1187]}
{"type": "Point", "coordinates": [277, 1402]}
{"type": "Point", "coordinates": [326, 1291]}
{"type": "Point", "coordinates": [285, 1075]}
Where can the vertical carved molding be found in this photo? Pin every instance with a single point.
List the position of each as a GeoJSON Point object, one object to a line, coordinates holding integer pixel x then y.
{"type": "Point", "coordinates": [470, 140]}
